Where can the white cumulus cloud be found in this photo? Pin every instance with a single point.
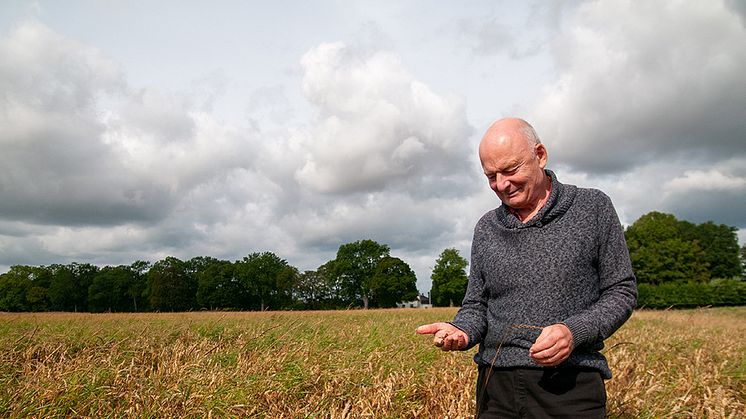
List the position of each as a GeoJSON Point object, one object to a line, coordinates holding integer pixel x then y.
{"type": "Point", "coordinates": [377, 125]}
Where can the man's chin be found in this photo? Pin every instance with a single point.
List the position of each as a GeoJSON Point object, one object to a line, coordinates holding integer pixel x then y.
{"type": "Point", "coordinates": [513, 202]}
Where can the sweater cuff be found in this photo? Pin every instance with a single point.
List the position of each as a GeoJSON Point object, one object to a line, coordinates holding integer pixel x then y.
{"type": "Point", "coordinates": [580, 332]}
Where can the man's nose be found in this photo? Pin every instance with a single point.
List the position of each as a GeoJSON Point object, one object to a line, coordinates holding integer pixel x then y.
{"type": "Point", "coordinates": [501, 183]}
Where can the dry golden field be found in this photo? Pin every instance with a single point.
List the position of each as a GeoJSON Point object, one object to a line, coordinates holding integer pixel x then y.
{"type": "Point", "coordinates": [344, 364]}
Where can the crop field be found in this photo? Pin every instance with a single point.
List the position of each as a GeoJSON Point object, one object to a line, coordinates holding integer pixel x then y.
{"type": "Point", "coordinates": [341, 364]}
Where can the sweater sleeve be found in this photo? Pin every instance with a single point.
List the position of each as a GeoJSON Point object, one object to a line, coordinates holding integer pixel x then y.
{"type": "Point", "coordinates": [617, 284]}
{"type": "Point", "coordinates": [472, 316]}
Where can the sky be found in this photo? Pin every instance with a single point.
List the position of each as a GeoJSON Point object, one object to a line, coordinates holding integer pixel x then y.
{"type": "Point", "coordinates": [134, 130]}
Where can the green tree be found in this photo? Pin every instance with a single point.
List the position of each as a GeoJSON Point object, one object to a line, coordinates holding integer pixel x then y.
{"type": "Point", "coordinates": [111, 288]}
{"type": "Point", "coordinates": [14, 288]}
{"type": "Point", "coordinates": [654, 227]}
{"type": "Point", "coordinates": [101, 290]}
{"type": "Point", "coordinates": [720, 244]}
{"type": "Point", "coordinates": [198, 264]}
{"type": "Point", "coordinates": [325, 287]}
{"type": "Point", "coordinates": [84, 274]}
{"type": "Point", "coordinates": [315, 291]}
{"type": "Point", "coordinates": [287, 281]}
{"type": "Point", "coordinates": [37, 298]}
{"type": "Point", "coordinates": [662, 249]}
{"type": "Point", "coordinates": [62, 287]}
{"type": "Point", "coordinates": [218, 287]}
{"type": "Point", "coordinates": [354, 267]}
{"type": "Point", "coordinates": [138, 286]}
{"type": "Point", "coordinates": [170, 286]}
{"type": "Point", "coordinates": [263, 275]}
{"type": "Point", "coordinates": [68, 288]}
{"type": "Point", "coordinates": [25, 288]}
{"type": "Point", "coordinates": [449, 278]}
{"type": "Point", "coordinates": [392, 282]}
{"type": "Point", "coordinates": [671, 260]}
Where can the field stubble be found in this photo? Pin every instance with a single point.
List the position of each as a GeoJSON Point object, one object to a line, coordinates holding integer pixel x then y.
{"type": "Point", "coordinates": [343, 364]}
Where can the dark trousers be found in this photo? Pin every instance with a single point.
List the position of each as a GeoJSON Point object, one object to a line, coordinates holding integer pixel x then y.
{"type": "Point", "coordinates": [540, 393]}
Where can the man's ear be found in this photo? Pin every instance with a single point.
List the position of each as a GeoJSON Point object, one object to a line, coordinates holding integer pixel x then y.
{"type": "Point", "coordinates": [541, 154]}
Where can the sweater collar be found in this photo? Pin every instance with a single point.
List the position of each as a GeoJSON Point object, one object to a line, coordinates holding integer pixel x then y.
{"type": "Point", "coordinates": [558, 203]}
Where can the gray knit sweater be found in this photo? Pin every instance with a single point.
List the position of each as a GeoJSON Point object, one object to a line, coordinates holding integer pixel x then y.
{"type": "Point", "coordinates": [569, 264]}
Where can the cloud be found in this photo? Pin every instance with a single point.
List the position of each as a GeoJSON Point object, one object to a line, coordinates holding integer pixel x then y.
{"type": "Point", "coordinates": [512, 34]}
{"type": "Point", "coordinates": [394, 218]}
{"type": "Point", "coordinates": [648, 105]}
{"type": "Point", "coordinates": [54, 168]}
{"type": "Point", "coordinates": [694, 194]}
{"type": "Point", "coordinates": [81, 147]}
{"type": "Point", "coordinates": [709, 195]}
{"type": "Point", "coordinates": [377, 126]}
{"type": "Point", "coordinates": [100, 171]}
{"type": "Point", "coordinates": [739, 7]}
{"type": "Point", "coordinates": [386, 158]}
{"type": "Point", "coordinates": [711, 180]}
{"type": "Point", "coordinates": [641, 82]}
{"type": "Point", "coordinates": [164, 117]}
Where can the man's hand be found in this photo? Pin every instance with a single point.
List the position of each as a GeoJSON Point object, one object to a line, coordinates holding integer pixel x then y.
{"type": "Point", "coordinates": [553, 346]}
{"type": "Point", "coordinates": [447, 336]}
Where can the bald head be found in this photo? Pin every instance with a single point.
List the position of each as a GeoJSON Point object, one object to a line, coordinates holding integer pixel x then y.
{"type": "Point", "coordinates": [508, 129]}
{"type": "Point", "coordinates": [513, 160]}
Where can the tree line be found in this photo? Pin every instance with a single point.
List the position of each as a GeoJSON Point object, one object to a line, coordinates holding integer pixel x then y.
{"type": "Point", "coordinates": [677, 263]}
{"type": "Point", "coordinates": [681, 264]}
{"type": "Point", "coordinates": [363, 273]}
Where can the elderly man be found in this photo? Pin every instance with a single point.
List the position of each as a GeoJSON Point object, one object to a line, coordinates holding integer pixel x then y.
{"type": "Point", "coordinates": [550, 279]}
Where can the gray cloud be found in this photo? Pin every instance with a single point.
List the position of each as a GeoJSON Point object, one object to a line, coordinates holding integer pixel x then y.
{"type": "Point", "coordinates": [25, 251]}
{"type": "Point", "coordinates": [80, 147]}
{"type": "Point", "coordinates": [648, 105]}
{"type": "Point", "coordinates": [396, 219]}
{"type": "Point", "coordinates": [55, 167]}
{"type": "Point", "coordinates": [640, 82]}
{"type": "Point", "coordinates": [712, 194]}
{"type": "Point", "coordinates": [738, 6]}
{"type": "Point", "coordinates": [696, 194]}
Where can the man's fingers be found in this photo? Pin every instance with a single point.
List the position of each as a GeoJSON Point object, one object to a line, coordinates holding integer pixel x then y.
{"type": "Point", "coordinates": [454, 342]}
{"type": "Point", "coordinates": [426, 329]}
{"type": "Point", "coordinates": [549, 359]}
{"type": "Point", "coordinates": [440, 338]}
{"type": "Point", "coordinates": [553, 345]}
{"type": "Point", "coordinates": [445, 336]}
{"type": "Point", "coordinates": [557, 334]}
{"type": "Point", "coordinates": [442, 333]}
{"type": "Point", "coordinates": [448, 343]}
{"type": "Point", "coordinates": [543, 342]}
{"type": "Point", "coordinates": [429, 329]}
{"type": "Point", "coordinates": [546, 354]}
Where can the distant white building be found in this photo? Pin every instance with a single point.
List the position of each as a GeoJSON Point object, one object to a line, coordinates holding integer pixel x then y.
{"type": "Point", "coordinates": [421, 302]}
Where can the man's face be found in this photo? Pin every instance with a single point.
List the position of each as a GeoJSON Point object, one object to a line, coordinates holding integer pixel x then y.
{"type": "Point", "coordinates": [514, 171]}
